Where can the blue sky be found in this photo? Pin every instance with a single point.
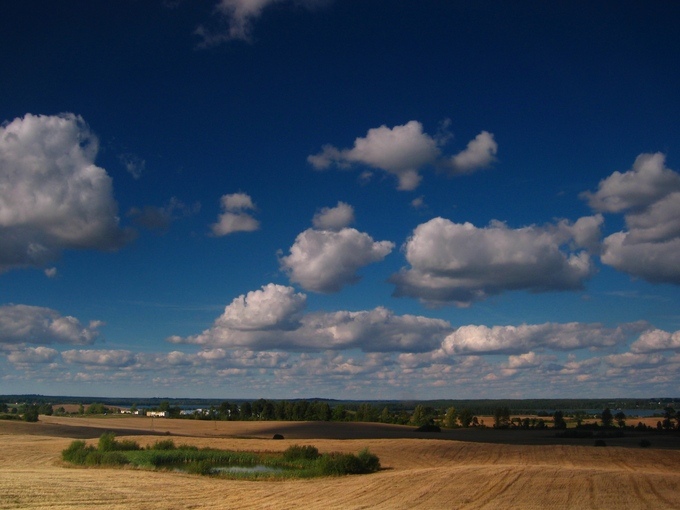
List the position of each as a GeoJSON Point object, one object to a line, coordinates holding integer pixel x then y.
{"type": "Point", "coordinates": [343, 199]}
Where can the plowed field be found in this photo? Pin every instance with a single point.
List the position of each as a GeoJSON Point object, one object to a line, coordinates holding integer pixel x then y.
{"type": "Point", "coordinates": [418, 472]}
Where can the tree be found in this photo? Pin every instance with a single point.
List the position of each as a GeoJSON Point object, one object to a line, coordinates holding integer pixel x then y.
{"type": "Point", "coordinates": [620, 418]}
{"type": "Point", "coordinates": [451, 418]}
{"type": "Point", "coordinates": [31, 413]}
{"type": "Point", "coordinates": [465, 417]}
{"type": "Point", "coordinates": [558, 420]}
{"type": "Point", "coordinates": [339, 413]}
{"type": "Point", "coordinates": [246, 411]}
{"type": "Point", "coordinates": [418, 417]}
{"type": "Point", "coordinates": [668, 416]}
{"type": "Point", "coordinates": [607, 418]}
{"type": "Point", "coordinates": [501, 418]}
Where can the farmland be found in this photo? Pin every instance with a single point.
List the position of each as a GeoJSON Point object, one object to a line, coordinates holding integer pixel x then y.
{"type": "Point", "coordinates": [454, 469]}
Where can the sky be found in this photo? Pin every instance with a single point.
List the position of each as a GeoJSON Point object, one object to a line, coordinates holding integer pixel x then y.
{"type": "Point", "coordinates": [346, 199]}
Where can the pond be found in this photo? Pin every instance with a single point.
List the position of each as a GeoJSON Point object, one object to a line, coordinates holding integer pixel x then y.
{"type": "Point", "coordinates": [246, 470]}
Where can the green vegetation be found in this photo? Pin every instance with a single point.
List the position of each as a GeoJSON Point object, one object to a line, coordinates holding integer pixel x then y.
{"type": "Point", "coordinates": [297, 461]}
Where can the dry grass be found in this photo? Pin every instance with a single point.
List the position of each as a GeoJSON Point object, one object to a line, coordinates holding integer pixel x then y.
{"type": "Point", "coordinates": [420, 473]}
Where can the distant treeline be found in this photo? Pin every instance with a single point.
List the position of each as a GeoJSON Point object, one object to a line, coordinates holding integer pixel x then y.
{"type": "Point", "coordinates": [484, 407]}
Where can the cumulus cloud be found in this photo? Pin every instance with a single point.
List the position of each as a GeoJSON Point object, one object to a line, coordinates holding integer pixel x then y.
{"type": "Point", "coordinates": [656, 340]}
{"type": "Point", "coordinates": [272, 307]}
{"type": "Point", "coordinates": [334, 218]}
{"type": "Point", "coordinates": [160, 218]}
{"type": "Point", "coordinates": [326, 260]}
{"type": "Point", "coordinates": [52, 195]}
{"type": "Point", "coordinates": [106, 358]}
{"type": "Point", "coordinates": [460, 263]}
{"type": "Point", "coordinates": [479, 153]}
{"type": "Point", "coordinates": [648, 181]}
{"type": "Point", "coordinates": [402, 151]}
{"type": "Point", "coordinates": [234, 217]}
{"type": "Point", "coordinates": [238, 16]}
{"type": "Point", "coordinates": [526, 338]}
{"type": "Point", "coordinates": [32, 355]}
{"type": "Point", "coordinates": [21, 324]}
{"type": "Point", "coordinates": [277, 322]}
{"type": "Point", "coordinates": [649, 197]}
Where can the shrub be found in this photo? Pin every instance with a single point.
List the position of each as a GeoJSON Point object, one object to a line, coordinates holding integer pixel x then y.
{"type": "Point", "coordinates": [600, 442]}
{"type": "Point", "coordinates": [77, 452]}
{"type": "Point", "coordinates": [336, 464]}
{"type": "Point", "coordinates": [164, 444]}
{"type": "Point", "coordinates": [644, 443]}
{"type": "Point", "coordinates": [277, 436]}
{"type": "Point", "coordinates": [107, 442]}
{"type": "Point", "coordinates": [369, 460]}
{"type": "Point", "coordinates": [113, 459]}
{"type": "Point", "coordinates": [94, 458]}
{"type": "Point", "coordinates": [297, 452]}
{"type": "Point", "coordinates": [128, 445]}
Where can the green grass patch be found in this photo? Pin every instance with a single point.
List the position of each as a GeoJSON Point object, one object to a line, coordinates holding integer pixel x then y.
{"type": "Point", "coordinates": [296, 462]}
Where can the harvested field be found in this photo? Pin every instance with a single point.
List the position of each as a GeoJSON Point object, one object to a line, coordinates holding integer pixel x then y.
{"type": "Point", "coordinates": [425, 471]}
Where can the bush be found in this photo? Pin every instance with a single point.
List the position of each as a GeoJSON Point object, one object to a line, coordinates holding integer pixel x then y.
{"type": "Point", "coordinates": [113, 459]}
{"type": "Point", "coordinates": [107, 442]}
{"type": "Point", "coordinates": [94, 458]}
{"type": "Point", "coordinates": [370, 461]}
{"type": "Point", "coordinates": [77, 452]}
{"type": "Point", "coordinates": [644, 443]}
{"type": "Point", "coordinates": [600, 442]}
{"type": "Point", "coordinates": [297, 452]}
{"type": "Point", "coordinates": [164, 444]}
{"type": "Point", "coordinates": [128, 445]}
{"type": "Point", "coordinates": [277, 436]}
{"type": "Point", "coordinates": [336, 464]}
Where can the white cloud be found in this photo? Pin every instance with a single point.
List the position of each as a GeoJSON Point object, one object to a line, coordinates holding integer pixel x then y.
{"type": "Point", "coordinates": [52, 195]}
{"type": "Point", "coordinates": [277, 322]}
{"type": "Point", "coordinates": [234, 217]}
{"type": "Point", "coordinates": [325, 261]}
{"type": "Point", "coordinates": [36, 325]}
{"type": "Point", "coordinates": [648, 181]}
{"type": "Point", "coordinates": [273, 307]}
{"type": "Point", "coordinates": [51, 272]}
{"type": "Point", "coordinates": [649, 197]}
{"type": "Point", "coordinates": [631, 360]}
{"type": "Point", "coordinates": [106, 358]}
{"type": "Point", "coordinates": [656, 340]}
{"type": "Point", "coordinates": [239, 16]}
{"type": "Point", "coordinates": [460, 263]}
{"type": "Point", "coordinates": [32, 355]}
{"type": "Point", "coordinates": [403, 151]}
{"type": "Point", "coordinates": [479, 153]}
{"type": "Point", "coordinates": [334, 218]}
{"type": "Point", "coordinates": [528, 337]}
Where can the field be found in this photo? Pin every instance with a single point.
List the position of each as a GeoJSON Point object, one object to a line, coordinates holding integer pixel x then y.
{"type": "Point", "coordinates": [457, 469]}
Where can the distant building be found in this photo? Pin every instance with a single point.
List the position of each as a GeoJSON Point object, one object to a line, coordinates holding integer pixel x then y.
{"type": "Point", "coordinates": [158, 414]}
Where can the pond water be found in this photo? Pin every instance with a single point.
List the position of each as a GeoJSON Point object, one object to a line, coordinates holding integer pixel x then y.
{"type": "Point", "coordinates": [251, 469]}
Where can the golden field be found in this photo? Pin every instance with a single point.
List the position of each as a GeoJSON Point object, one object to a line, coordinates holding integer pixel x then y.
{"type": "Point", "coordinates": [466, 469]}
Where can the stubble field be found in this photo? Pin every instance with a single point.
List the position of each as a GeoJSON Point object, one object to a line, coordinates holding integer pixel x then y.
{"type": "Point", "coordinates": [449, 470]}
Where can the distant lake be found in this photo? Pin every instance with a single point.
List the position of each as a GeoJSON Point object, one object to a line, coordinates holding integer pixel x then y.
{"type": "Point", "coordinates": [630, 413]}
